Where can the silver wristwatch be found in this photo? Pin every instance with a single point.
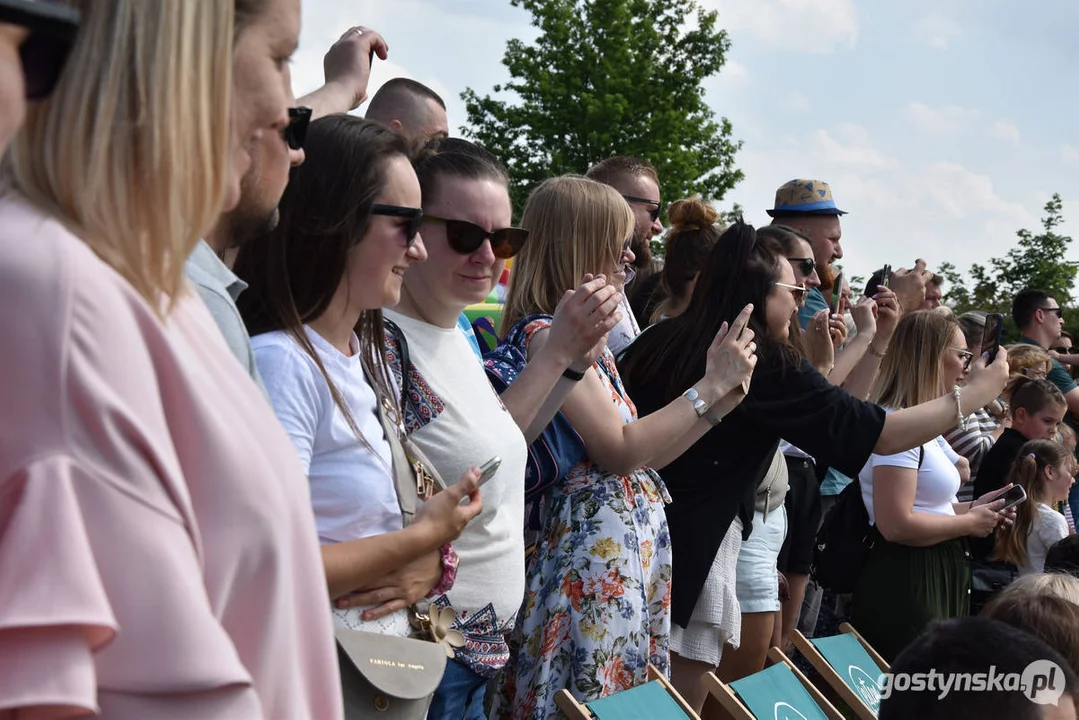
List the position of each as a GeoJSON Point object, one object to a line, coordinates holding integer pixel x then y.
{"type": "Point", "coordinates": [699, 405]}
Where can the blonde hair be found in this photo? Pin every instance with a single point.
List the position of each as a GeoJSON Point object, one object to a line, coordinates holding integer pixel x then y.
{"type": "Point", "coordinates": [575, 226]}
{"type": "Point", "coordinates": [131, 151]}
{"type": "Point", "coordinates": [1023, 356]}
{"type": "Point", "coordinates": [912, 373]}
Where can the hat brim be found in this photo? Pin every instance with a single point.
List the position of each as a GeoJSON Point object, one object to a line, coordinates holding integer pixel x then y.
{"type": "Point", "coordinates": [800, 211]}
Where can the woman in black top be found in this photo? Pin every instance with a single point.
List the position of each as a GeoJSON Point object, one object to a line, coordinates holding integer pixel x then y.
{"type": "Point", "coordinates": [714, 481]}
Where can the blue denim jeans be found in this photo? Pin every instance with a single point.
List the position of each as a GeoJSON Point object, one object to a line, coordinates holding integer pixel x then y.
{"type": "Point", "coordinates": [459, 696]}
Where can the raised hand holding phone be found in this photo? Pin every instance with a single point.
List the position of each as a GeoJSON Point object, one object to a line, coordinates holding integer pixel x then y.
{"type": "Point", "coordinates": [994, 324]}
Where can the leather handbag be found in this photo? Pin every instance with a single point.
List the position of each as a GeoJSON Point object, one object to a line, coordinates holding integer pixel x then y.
{"type": "Point", "coordinates": [389, 676]}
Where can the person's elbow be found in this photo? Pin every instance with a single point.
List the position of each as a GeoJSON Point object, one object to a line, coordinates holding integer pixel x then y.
{"type": "Point", "coordinates": [894, 530]}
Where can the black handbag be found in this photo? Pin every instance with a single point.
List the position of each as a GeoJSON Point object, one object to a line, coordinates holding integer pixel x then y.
{"type": "Point", "coordinates": [845, 540]}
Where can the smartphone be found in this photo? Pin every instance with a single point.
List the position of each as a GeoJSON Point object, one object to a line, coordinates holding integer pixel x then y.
{"type": "Point", "coordinates": [837, 294]}
{"type": "Point", "coordinates": [1013, 497]}
{"type": "Point", "coordinates": [885, 275]}
{"type": "Point", "coordinates": [994, 325]}
{"type": "Point", "coordinates": [488, 470]}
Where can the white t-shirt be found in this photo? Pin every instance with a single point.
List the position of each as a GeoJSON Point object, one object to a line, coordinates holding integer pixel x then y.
{"type": "Point", "coordinates": [938, 478]}
{"type": "Point", "coordinates": [352, 491]}
{"type": "Point", "coordinates": [1049, 527]}
{"type": "Point", "coordinates": [458, 422]}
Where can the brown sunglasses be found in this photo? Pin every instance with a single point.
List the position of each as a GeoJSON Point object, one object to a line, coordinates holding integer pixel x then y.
{"type": "Point", "coordinates": [466, 238]}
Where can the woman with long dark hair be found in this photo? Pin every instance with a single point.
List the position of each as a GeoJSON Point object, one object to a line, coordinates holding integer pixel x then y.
{"type": "Point", "coordinates": [713, 483]}
{"type": "Point", "coordinates": [317, 284]}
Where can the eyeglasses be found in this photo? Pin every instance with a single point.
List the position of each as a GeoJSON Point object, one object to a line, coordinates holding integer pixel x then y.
{"type": "Point", "coordinates": [1034, 373]}
{"type": "Point", "coordinates": [798, 291]}
{"type": "Point", "coordinates": [414, 215]}
{"type": "Point", "coordinates": [44, 52]}
{"type": "Point", "coordinates": [965, 355]}
{"type": "Point", "coordinates": [806, 265]}
{"type": "Point", "coordinates": [654, 212]}
{"type": "Point", "coordinates": [466, 238]}
{"type": "Point", "coordinates": [1058, 310]}
{"type": "Point", "coordinates": [295, 133]}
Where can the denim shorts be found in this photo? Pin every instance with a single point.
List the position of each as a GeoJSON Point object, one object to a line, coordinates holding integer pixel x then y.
{"type": "Point", "coordinates": [758, 579]}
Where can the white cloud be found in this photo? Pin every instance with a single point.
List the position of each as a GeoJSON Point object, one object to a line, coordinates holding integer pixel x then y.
{"type": "Point", "coordinates": [938, 30]}
{"type": "Point", "coordinates": [940, 121]}
{"type": "Point", "coordinates": [1005, 131]}
{"type": "Point", "coordinates": [851, 149]}
{"type": "Point", "coordinates": [809, 26]}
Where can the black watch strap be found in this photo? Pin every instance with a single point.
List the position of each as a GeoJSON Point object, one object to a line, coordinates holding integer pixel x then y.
{"type": "Point", "coordinates": [571, 374]}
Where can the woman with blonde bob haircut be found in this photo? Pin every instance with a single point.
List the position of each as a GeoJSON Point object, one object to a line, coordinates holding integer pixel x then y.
{"type": "Point", "coordinates": [918, 571]}
{"type": "Point", "coordinates": [598, 595]}
{"type": "Point", "coordinates": [178, 574]}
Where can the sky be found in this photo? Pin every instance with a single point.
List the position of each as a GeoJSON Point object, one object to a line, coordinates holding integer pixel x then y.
{"type": "Point", "coordinates": [942, 126]}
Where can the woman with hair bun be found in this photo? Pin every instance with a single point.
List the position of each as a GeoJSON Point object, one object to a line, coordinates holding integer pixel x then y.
{"type": "Point", "coordinates": [690, 240]}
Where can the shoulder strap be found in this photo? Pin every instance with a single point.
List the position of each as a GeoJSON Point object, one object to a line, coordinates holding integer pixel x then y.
{"type": "Point", "coordinates": [398, 336]}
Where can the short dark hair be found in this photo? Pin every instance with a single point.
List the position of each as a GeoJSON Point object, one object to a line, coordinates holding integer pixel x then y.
{"type": "Point", "coordinates": [442, 159]}
{"type": "Point", "coordinates": [1025, 304]}
{"type": "Point", "coordinates": [621, 166]}
{"type": "Point", "coordinates": [963, 647]}
{"type": "Point", "coordinates": [1063, 556]}
{"type": "Point", "coordinates": [403, 100]}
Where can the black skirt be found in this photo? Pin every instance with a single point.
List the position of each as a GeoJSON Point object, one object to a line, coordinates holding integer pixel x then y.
{"type": "Point", "coordinates": [903, 589]}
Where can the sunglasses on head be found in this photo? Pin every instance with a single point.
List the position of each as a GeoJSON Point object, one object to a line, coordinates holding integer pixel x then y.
{"type": "Point", "coordinates": [414, 216]}
{"type": "Point", "coordinates": [805, 265]}
{"type": "Point", "coordinates": [798, 291]}
{"type": "Point", "coordinates": [654, 212]}
{"type": "Point", "coordinates": [44, 52]}
{"type": "Point", "coordinates": [295, 132]}
{"type": "Point", "coordinates": [466, 238]}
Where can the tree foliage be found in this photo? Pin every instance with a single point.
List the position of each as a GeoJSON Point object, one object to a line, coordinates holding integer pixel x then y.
{"type": "Point", "coordinates": [611, 77]}
{"type": "Point", "coordinates": [1036, 261]}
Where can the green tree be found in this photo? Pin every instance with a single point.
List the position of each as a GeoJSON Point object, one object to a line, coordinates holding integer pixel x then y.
{"type": "Point", "coordinates": [1036, 261]}
{"type": "Point", "coordinates": [609, 77]}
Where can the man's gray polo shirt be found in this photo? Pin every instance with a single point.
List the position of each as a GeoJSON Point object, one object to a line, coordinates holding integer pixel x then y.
{"type": "Point", "coordinates": [219, 287]}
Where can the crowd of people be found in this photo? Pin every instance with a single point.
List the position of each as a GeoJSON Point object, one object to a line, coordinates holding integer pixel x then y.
{"type": "Point", "coordinates": [244, 417]}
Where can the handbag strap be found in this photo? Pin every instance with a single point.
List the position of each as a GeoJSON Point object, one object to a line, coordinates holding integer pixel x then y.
{"type": "Point", "coordinates": [391, 328]}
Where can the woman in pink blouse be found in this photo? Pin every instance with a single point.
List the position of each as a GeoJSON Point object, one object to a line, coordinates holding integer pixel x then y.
{"type": "Point", "coordinates": [158, 557]}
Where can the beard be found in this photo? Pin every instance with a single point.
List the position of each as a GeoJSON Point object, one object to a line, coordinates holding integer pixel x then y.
{"type": "Point", "coordinates": [827, 278]}
{"type": "Point", "coordinates": [246, 224]}
{"type": "Point", "coordinates": [641, 245]}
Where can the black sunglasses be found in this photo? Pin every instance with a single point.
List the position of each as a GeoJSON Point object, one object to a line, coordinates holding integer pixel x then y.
{"type": "Point", "coordinates": [806, 265]}
{"type": "Point", "coordinates": [466, 238]}
{"type": "Point", "coordinates": [296, 131]}
{"type": "Point", "coordinates": [414, 215]}
{"type": "Point", "coordinates": [44, 52]}
{"type": "Point", "coordinates": [654, 212]}
{"type": "Point", "coordinates": [1058, 310]}
{"type": "Point", "coordinates": [1061, 349]}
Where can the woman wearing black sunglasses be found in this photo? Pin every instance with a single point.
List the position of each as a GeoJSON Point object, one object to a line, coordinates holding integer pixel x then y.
{"type": "Point", "coordinates": [348, 231]}
{"type": "Point", "coordinates": [454, 414]}
{"type": "Point", "coordinates": [713, 483]}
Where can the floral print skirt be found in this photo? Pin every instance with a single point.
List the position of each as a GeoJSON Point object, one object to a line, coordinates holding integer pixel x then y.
{"type": "Point", "coordinates": [597, 605]}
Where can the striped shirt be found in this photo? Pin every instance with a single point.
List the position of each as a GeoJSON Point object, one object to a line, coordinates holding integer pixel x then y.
{"type": "Point", "coordinates": [972, 443]}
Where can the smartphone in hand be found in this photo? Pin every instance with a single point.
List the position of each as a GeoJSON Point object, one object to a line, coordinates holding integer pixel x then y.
{"type": "Point", "coordinates": [885, 276]}
{"type": "Point", "coordinates": [837, 294]}
{"type": "Point", "coordinates": [1015, 495]}
{"type": "Point", "coordinates": [994, 325]}
{"type": "Point", "coordinates": [488, 470]}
